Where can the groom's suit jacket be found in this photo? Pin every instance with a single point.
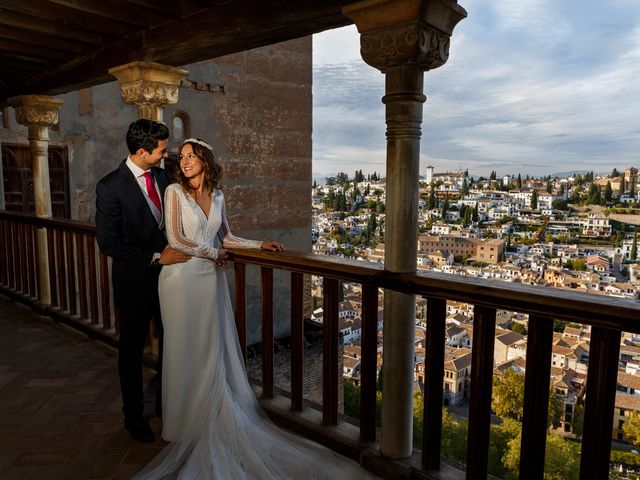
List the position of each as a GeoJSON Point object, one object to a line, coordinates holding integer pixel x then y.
{"type": "Point", "coordinates": [128, 232]}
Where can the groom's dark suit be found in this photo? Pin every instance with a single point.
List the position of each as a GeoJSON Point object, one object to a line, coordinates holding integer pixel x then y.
{"type": "Point", "coordinates": [128, 232]}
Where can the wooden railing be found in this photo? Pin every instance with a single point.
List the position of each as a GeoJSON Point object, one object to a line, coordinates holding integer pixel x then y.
{"type": "Point", "coordinates": [80, 273]}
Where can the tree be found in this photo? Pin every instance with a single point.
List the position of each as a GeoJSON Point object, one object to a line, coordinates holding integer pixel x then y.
{"type": "Point", "coordinates": [534, 200]}
{"type": "Point", "coordinates": [465, 187]}
{"type": "Point", "coordinates": [518, 327]}
{"type": "Point", "coordinates": [556, 409]}
{"type": "Point", "coordinates": [467, 216]}
{"type": "Point", "coordinates": [549, 186]}
{"type": "Point", "coordinates": [351, 400]}
{"type": "Point", "coordinates": [577, 420]}
{"type": "Point", "coordinates": [508, 394]}
{"type": "Point", "coordinates": [432, 201]}
{"type": "Point", "coordinates": [519, 181]}
{"type": "Point", "coordinates": [631, 428]}
{"type": "Point", "coordinates": [593, 197]}
{"type": "Point", "coordinates": [445, 207]}
{"type": "Point", "coordinates": [615, 173]}
{"type": "Point", "coordinates": [475, 216]}
{"type": "Point", "coordinates": [380, 380]}
{"type": "Point", "coordinates": [561, 461]}
{"type": "Point", "coordinates": [493, 175]}
{"type": "Point", "coordinates": [454, 437]}
{"type": "Point", "coordinates": [608, 192]}
{"type": "Point", "coordinates": [634, 247]}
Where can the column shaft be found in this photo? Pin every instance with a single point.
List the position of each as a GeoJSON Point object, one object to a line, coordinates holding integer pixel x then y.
{"type": "Point", "coordinates": [39, 143]}
{"type": "Point", "coordinates": [403, 101]}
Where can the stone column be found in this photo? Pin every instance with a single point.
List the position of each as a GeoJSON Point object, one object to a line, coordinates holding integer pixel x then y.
{"type": "Point", "coordinates": [402, 39]}
{"type": "Point", "coordinates": [148, 85]}
{"type": "Point", "coordinates": [39, 112]}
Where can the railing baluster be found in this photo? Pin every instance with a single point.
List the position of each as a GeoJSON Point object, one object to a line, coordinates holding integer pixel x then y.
{"type": "Point", "coordinates": [53, 282]}
{"type": "Point", "coordinates": [62, 281]}
{"type": "Point", "coordinates": [536, 398]}
{"type": "Point", "coordinates": [434, 372]}
{"type": "Point", "coordinates": [105, 289]}
{"type": "Point", "coordinates": [330, 372]}
{"type": "Point", "coordinates": [241, 308]}
{"type": "Point", "coordinates": [82, 274]}
{"type": "Point", "coordinates": [602, 376]}
{"type": "Point", "coordinates": [267, 332]}
{"type": "Point", "coordinates": [297, 340]}
{"type": "Point", "coordinates": [93, 280]}
{"type": "Point", "coordinates": [23, 259]}
{"type": "Point", "coordinates": [33, 266]}
{"type": "Point", "coordinates": [14, 253]}
{"type": "Point", "coordinates": [484, 329]}
{"type": "Point", "coordinates": [3, 253]}
{"type": "Point", "coordinates": [368, 363]}
{"type": "Point", "coordinates": [18, 248]}
{"type": "Point", "coordinates": [71, 274]}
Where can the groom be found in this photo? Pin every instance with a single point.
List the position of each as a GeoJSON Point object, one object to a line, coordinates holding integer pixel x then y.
{"type": "Point", "coordinates": [130, 229]}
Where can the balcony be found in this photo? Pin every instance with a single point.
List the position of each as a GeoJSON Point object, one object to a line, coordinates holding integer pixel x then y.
{"type": "Point", "coordinates": [80, 291]}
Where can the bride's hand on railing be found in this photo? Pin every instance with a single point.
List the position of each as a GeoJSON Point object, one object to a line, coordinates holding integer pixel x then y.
{"type": "Point", "coordinates": [272, 246]}
{"type": "Point", "coordinates": [222, 257]}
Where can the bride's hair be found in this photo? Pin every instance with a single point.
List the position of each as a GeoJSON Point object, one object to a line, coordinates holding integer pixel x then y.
{"type": "Point", "coordinates": [212, 169]}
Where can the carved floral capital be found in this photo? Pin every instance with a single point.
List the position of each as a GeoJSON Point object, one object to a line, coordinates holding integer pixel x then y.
{"type": "Point", "coordinates": [144, 92]}
{"type": "Point", "coordinates": [413, 43]}
{"type": "Point", "coordinates": [36, 110]}
{"type": "Point", "coordinates": [147, 83]}
{"type": "Point", "coordinates": [397, 33]}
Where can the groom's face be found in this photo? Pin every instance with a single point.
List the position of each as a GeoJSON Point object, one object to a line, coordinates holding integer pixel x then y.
{"type": "Point", "coordinates": [157, 154]}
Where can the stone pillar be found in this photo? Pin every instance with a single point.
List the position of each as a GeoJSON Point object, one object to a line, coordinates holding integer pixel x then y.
{"type": "Point", "coordinates": [148, 85]}
{"type": "Point", "coordinates": [38, 113]}
{"type": "Point", "coordinates": [402, 39]}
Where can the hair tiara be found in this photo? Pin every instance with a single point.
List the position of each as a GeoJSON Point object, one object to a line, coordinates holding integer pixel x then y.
{"type": "Point", "coordinates": [202, 143]}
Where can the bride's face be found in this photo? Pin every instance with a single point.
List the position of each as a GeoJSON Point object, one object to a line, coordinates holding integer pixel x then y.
{"type": "Point", "coordinates": [190, 164]}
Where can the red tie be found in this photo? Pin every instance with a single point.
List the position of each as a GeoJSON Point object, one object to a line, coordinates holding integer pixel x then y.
{"type": "Point", "coordinates": [151, 190]}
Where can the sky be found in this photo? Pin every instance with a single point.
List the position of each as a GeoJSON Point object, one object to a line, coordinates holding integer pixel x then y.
{"type": "Point", "coordinates": [531, 86]}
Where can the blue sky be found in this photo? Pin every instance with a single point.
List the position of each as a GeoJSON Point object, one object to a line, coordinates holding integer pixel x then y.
{"type": "Point", "coordinates": [531, 86]}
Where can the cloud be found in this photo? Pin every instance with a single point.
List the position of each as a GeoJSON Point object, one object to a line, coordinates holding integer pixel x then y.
{"type": "Point", "coordinates": [529, 86]}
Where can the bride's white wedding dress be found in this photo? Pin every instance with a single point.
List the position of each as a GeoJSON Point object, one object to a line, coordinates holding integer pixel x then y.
{"type": "Point", "coordinates": [211, 417]}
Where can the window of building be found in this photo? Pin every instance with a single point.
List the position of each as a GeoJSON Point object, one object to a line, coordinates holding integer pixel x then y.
{"type": "Point", "coordinates": [4, 119]}
{"type": "Point", "coordinates": [181, 126]}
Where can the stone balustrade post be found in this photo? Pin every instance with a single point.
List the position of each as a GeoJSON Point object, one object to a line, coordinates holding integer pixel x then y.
{"type": "Point", "coordinates": [150, 86]}
{"type": "Point", "coordinates": [402, 39]}
{"type": "Point", "coordinates": [38, 113]}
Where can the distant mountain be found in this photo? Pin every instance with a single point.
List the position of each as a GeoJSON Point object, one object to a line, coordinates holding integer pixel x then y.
{"type": "Point", "coordinates": [578, 172]}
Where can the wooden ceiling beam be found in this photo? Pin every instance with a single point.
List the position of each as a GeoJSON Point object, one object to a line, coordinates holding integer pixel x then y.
{"type": "Point", "coordinates": [167, 8]}
{"type": "Point", "coordinates": [59, 29]}
{"type": "Point", "coordinates": [122, 13]}
{"type": "Point", "coordinates": [43, 51]}
{"type": "Point", "coordinates": [45, 10]}
{"type": "Point", "coordinates": [25, 36]}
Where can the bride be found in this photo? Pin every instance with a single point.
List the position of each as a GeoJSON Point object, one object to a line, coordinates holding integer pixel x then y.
{"type": "Point", "coordinates": [211, 417]}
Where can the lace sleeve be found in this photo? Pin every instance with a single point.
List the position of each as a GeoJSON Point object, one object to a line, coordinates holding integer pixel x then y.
{"type": "Point", "coordinates": [229, 240]}
{"type": "Point", "coordinates": [175, 233]}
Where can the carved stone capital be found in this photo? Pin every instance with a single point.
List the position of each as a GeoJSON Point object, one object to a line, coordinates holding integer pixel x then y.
{"type": "Point", "coordinates": [397, 33]}
{"type": "Point", "coordinates": [36, 110]}
{"type": "Point", "coordinates": [410, 44]}
{"type": "Point", "coordinates": [147, 83]}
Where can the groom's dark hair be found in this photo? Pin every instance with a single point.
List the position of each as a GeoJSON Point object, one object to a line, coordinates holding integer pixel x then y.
{"type": "Point", "coordinates": [145, 134]}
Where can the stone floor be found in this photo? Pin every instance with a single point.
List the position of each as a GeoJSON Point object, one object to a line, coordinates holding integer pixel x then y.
{"type": "Point", "coordinates": [60, 405]}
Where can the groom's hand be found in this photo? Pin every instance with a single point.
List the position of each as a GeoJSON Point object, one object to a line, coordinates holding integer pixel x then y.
{"type": "Point", "coordinates": [170, 255]}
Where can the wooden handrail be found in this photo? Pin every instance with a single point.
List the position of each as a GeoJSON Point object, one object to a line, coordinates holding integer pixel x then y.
{"type": "Point", "coordinates": [598, 310]}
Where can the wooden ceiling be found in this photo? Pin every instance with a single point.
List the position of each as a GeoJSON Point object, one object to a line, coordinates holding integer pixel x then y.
{"type": "Point", "coordinates": [56, 46]}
